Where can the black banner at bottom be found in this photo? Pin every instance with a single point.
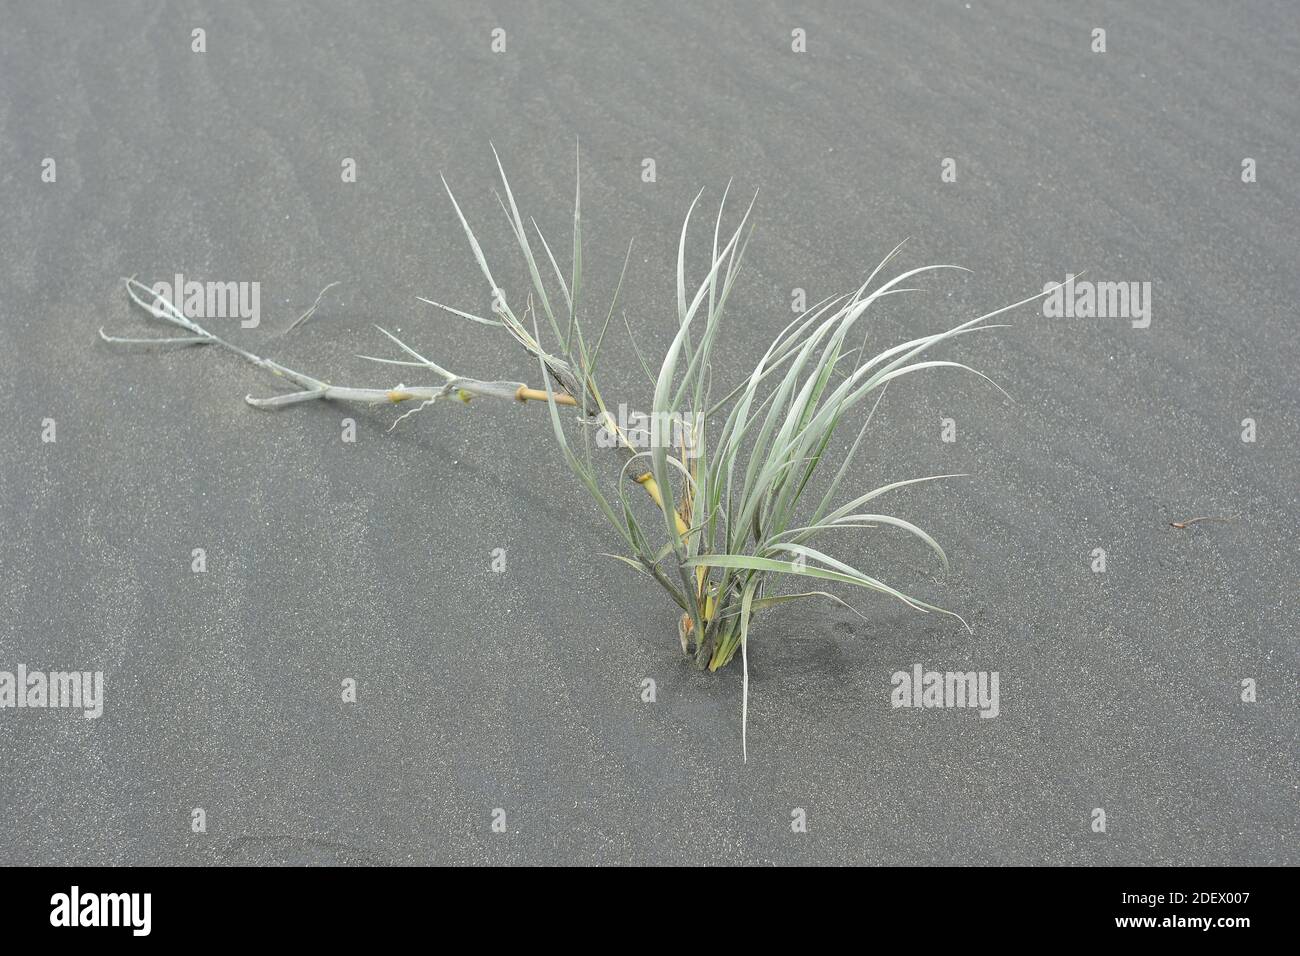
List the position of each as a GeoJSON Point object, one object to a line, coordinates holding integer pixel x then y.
{"type": "Point", "coordinates": [945, 906]}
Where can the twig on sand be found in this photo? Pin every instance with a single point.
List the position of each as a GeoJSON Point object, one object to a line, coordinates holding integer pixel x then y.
{"type": "Point", "coordinates": [1191, 521]}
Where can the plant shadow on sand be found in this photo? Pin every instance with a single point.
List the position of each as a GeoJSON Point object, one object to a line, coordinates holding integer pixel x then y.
{"type": "Point", "coordinates": [832, 645]}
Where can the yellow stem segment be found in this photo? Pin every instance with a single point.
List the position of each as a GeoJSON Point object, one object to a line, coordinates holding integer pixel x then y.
{"type": "Point", "coordinates": [652, 489]}
{"type": "Point", "coordinates": [526, 394]}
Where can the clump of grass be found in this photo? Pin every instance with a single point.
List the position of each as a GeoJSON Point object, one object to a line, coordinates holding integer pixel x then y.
{"type": "Point", "coordinates": [731, 520]}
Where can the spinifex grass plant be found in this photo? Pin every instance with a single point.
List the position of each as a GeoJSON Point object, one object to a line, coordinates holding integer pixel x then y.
{"type": "Point", "coordinates": [731, 517]}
